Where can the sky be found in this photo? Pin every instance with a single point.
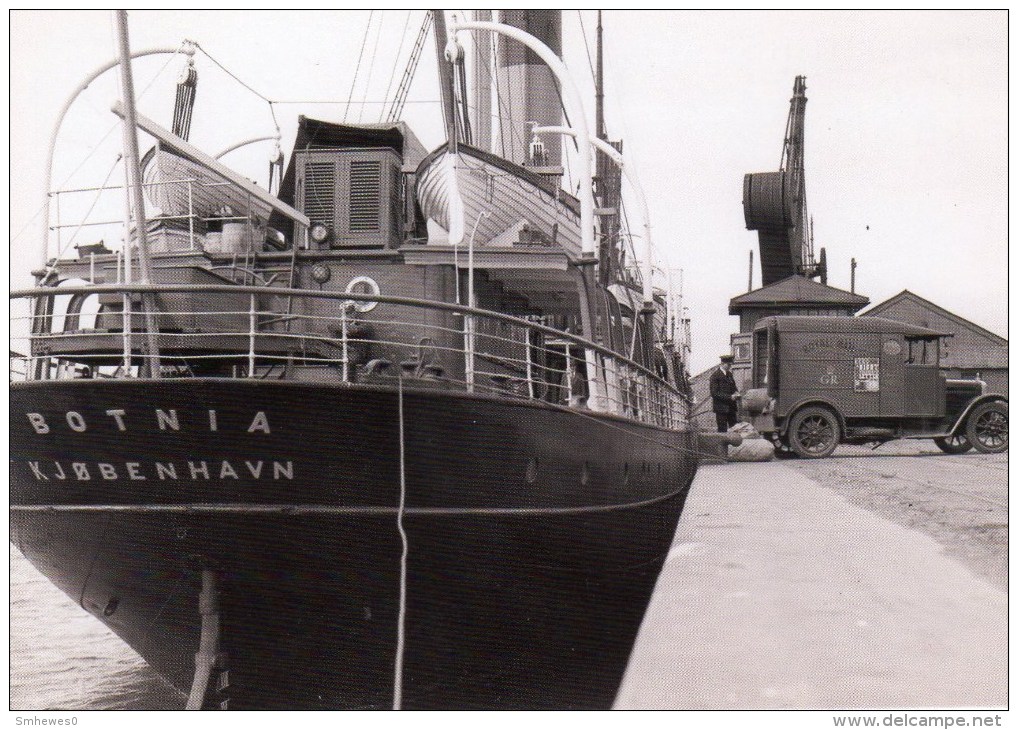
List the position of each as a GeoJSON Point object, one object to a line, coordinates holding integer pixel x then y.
{"type": "Point", "coordinates": [906, 127]}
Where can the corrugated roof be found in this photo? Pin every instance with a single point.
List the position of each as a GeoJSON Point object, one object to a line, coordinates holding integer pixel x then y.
{"type": "Point", "coordinates": [797, 290]}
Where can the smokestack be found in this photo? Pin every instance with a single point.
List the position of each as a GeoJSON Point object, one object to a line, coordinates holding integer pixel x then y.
{"type": "Point", "coordinates": [749, 286]}
{"type": "Point", "coordinates": [526, 87]}
{"type": "Point", "coordinates": [853, 275]}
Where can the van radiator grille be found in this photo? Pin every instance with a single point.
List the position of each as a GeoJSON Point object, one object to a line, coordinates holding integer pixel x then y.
{"type": "Point", "coordinates": [320, 192]}
{"type": "Point", "coordinates": [365, 195]}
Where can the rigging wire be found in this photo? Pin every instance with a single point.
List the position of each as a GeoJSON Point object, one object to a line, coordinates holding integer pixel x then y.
{"type": "Point", "coordinates": [233, 75]}
{"type": "Point", "coordinates": [243, 83]}
{"type": "Point", "coordinates": [371, 66]}
{"type": "Point", "coordinates": [400, 98]}
{"type": "Point", "coordinates": [395, 63]}
{"type": "Point", "coordinates": [337, 101]}
{"type": "Point", "coordinates": [583, 32]}
{"type": "Point", "coordinates": [98, 195]}
{"type": "Point", "coordinates": [498, 94]}
{"type": "Point", "coordinates": [357, 70]}
{"type": "Point", "coordinates": [514, 133]}
{"type": "Point", "coordinates": [96, 146]}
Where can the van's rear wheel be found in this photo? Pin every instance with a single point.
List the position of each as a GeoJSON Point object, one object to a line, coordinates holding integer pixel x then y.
{"type": "Point", "coordinates": [956, 444]}
{"type": "Point", "coordinates": [987, 427]}
{"type": "Point", "coordinates": [814, 433]}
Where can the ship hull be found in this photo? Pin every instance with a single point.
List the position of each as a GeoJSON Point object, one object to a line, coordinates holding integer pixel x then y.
{"type": "Point", "coordinates": [535, 534]}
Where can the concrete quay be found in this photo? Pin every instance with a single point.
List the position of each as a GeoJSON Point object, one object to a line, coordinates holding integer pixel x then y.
{"type": "Point", "coordinates": [783, 592]}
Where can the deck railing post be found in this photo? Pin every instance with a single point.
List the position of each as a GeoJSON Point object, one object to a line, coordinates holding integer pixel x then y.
{"type": "Point", "coordinates": [641, 395]}
{"type": "Point", "coordinates": [252, 322]}
{"type": "Point", "coordinates": [610, 393]}
{"type": "Point", "coordinates": [530, 369]}
{"type": "Point", "coordinates": [190, 215]}
{"type": "Point", "coordinates": [127, 333]}
{"type": "Point", "coordinates": [60, 245]}
{"type": "Point", "coordinates": [346, 350]}
{"type": "Point", "coordinates": [569, 374]}
{"type": "Point", "coordinates": [468, 324]}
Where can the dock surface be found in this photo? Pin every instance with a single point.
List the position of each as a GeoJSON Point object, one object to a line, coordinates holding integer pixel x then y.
{"type": "Point", "coordinates": [844, 590]}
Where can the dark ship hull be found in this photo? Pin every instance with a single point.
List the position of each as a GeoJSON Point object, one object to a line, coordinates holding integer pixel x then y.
{"type": "Point", "coordinates": [535, 534]}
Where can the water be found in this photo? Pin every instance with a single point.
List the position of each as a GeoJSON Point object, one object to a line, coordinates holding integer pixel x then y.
{"type": "Point", "coordinates": [62, 658]}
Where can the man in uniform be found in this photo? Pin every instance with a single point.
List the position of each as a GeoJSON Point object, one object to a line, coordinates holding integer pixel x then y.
{"type": "Point", "coordinates": [725, 394]}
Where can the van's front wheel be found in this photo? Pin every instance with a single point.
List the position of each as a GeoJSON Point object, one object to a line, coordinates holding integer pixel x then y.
{"type": "Point", "coordinates": [987, 427]}
{"type": "Point", "coordinates": [814, 432]}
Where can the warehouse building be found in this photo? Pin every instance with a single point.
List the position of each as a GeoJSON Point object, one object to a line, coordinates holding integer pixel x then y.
{"type": "Point", "coordinates": [973, 351]}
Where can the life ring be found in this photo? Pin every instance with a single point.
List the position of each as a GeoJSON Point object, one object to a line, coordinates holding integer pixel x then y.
{"type": "Point", "coordinates": [356, 286]}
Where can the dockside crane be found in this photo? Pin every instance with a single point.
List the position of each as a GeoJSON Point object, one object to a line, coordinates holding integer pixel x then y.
{"type": "Point", "coordinates": [774, 204]}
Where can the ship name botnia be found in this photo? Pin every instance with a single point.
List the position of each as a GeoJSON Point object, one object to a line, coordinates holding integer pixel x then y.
{"type": "Point", "coordinates": [166, 419]}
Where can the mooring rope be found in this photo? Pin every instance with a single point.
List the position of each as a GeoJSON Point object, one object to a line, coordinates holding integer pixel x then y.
{"type": "Point", "coordinates": [397, 694]}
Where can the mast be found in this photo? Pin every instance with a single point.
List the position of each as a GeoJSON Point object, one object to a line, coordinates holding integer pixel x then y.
{"type": "Point", "coordinates": [445, 81]}
{"type": "Point", "coordinates": [599, 84]}
{"type": "Point", "coordinates": [137, 199]}
{"type": "Point", "coordinates": [609, 179]}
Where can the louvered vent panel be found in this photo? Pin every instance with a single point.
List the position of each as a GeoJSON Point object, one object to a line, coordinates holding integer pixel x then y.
{"type": "Point", "coordinates": [320, 192]}
{"type": "Point", "coordinates": [398, 197]}
{"type": "Point", "coordinates": [365, 195]}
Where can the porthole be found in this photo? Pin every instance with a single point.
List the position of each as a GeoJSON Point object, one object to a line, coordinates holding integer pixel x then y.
{"type": "Point", "coordinates": [532, 470]}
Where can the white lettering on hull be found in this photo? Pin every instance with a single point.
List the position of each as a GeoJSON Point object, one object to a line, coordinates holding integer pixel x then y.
{"type": "Point", "coordinates": [76, 422]}
{"type": "Point", "coordinates": [161, 470]}
{"type": "Point", "coordinates": [260, 423]}
{"type": "Point", "coordinates": [118, 416]}
{"type": "Point", "coordinates": [166, 419]}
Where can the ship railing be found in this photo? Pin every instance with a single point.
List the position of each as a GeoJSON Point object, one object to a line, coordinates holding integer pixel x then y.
{"type": "Point", "coordinates": [111, 217]}
{"type": "Point", "coordinates": [77, 332]}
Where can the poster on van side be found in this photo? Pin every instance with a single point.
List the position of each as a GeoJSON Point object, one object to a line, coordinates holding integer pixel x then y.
{"type": "Point", "coordinates": [867, 374]}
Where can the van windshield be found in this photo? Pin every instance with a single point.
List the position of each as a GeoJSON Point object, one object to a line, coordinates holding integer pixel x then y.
{"type": "Point", "coordinates": [922, 351]}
